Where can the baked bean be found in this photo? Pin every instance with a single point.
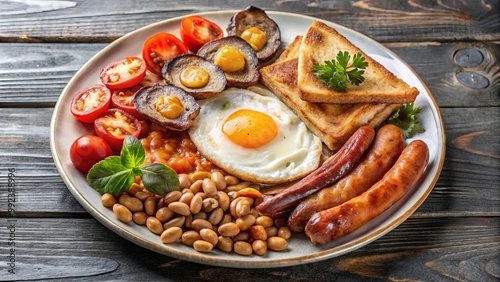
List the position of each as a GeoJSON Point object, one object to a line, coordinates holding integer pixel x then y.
{"type": "Point", "coordinates": [108, 200]}
{"type": "Point", "coordinates": [171, 235]}
{"type": "Point", "coordinates": [154, 225]}
{"type": "Point", "coordinates": [189, 237]}
{"type": "Point", "coordinates": [197, 186]}
{"type": "Point", "coordinates": [242, 236]}
{"type": "Point", "coordinates": [215, 216]}
{"type": "Point", "coordinates": [271, 231]}
{"type": "Point", "coordinates": [229, 229]}
{"type": "Point", "coordinates": [139, 217]}
{"type": "Point", "coordinates": [202, 246]}
{"type": "Point", "coordinates": [223, 200]}
{"type": "Point", "coordinates": [199, 175]}
{"type": "Point", "coordinates": [210, 236]}
{"type": "Point", "coordinates": [254, 212]}
{"type": "Point", "coordinates": [259, 247]}
{"type": "Point", "coordinates": [189, 221]}
{"type": "Point", "coordinates": [242, 208]}
{"type": "Point", "coordinates": [242, 248]}
{"type": "Point", "coordinates": [164, 214]}
{"type": "Point", "coordinates": [143, 195]}
{"type": "Point", "coordinates": [238, 186]}
{"type": "Point", "coordinates": [258, 232]}
{"type": "Point", "coordinates": [209, 204]}
{"type": "Point", "coordinates": [226, 218]}
{"type": "Point", "coordinates": [232, 207]}
{"type": "Point", "coordinates": [134, 188]}
{"type": "Point", "coordinates": [276, 243]}
{"type": "Point", "coordinates": [179, 208]}
{"type": "Point", "coordinates": [218, 180]}
{"type": "Point", "coordinates": [196, 204]}
{"type": "Point", "coordinates": [284, 233]}
{"type": "Point", "coordinates": [150, 205]}
{"type": "Point", "coordinates": [209, 187]}
{"type": "Point", "coordinates": [186, 197]}
{"type": "Point", "coordinates": [245, 222]}
{"type": "Point", "coordinates": [172, 196]}
{"type": "Point", "coordinates": [122, 213]}
{"type": "Point", "coordinates": [175, 222]}
{"type": "Point", "coordinates": [184, 181]}
{"type": "Point", "coordinates": [133, 204]}
{"type": "Point", "coordinates": [225, 244]}
{"type": "Point", "coordinates": [161, 203]}
{"type": "Point", "coordinates": [231, 180]}
{"type": "Point", "coordinates": [264, 220]}
{"type": "Point", "coordinates": [199, 224]}
{"type": "Point", "coordinates": [200, 215]}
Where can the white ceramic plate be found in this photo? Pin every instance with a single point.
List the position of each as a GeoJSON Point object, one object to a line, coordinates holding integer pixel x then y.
{"type": "Point", "coordinates": [65, 129]}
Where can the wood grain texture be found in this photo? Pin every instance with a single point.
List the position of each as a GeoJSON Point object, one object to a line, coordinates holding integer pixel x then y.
{"type": "Point", "coordinates": [86, 21]}
{"type": "Point", "coordinates": [35, 74]}
{"type": "Point", "coordinates": [416, 250]}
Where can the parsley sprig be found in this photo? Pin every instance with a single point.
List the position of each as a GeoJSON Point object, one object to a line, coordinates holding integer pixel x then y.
{"type": "Point", "coordinates": [337, 74]}
{"type": "Point", "coordinates": [406, 118]}
{"type": "Point", "coordinates": [115, 174]}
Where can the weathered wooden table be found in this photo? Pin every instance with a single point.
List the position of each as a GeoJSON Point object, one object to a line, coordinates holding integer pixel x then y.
{"type": "Point", "coordinates": [455, 235]}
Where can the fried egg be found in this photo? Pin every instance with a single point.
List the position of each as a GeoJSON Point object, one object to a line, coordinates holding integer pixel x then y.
{"type": "Point", "coordinates": [255, 137]}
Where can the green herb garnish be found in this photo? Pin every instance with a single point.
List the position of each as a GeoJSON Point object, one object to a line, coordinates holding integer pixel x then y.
{"type": "Point", "coordinates": [406, 118]}
{"type": "Point", "coordinates": [116, 174]}
{"type": "Point", "coordinates": [337, 74]}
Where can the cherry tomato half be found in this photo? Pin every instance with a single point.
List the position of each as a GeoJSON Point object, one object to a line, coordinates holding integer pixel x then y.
{"type": "Point", "coordinates": [160, 48]}
{"type": "Point", "coordinates": [196, 31]}
{"type": "Point", "coordinates": [89, 104]}
{"type": "Point", "coordinates": [114, 125]}
{"type": "Point", "coordinates": [88, 150]}
{"type": "Point", "coordinates": [124, 100]}
{"type": "Point", "coordinates": [124, 73]}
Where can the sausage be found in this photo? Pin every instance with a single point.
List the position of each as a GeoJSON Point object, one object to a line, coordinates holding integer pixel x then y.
{"type": "Point", "coordinates": [330, 224]}
{"type": "Point", "coordinates": [382, 154]}
{"type": "Point", "coordinates": [330, 171]}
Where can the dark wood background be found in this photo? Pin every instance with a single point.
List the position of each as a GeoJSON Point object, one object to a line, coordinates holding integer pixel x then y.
{"type": "Point", "coordinates": [453, 45]}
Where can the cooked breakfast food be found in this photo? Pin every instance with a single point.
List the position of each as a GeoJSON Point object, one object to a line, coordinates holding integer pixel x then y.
{"type": "Point", "coordinates": [195, 75]}
{"type": "Point", "coordinates": [200, 142]}
{"type": "Point", "coordinates": [382, 154]}
{"type": "Point", "coordinates": [329, 224]}
{"type": "Point", "coordinates": [258, 29]}
{"type": "Point", "coordinates": [254, 137]}
{"type": "Point", "coordinates": [167, 105]}
{"type": "Point", "coordinates": [322, 43]}
{"type": "Point", "coordinates": [235, 57]}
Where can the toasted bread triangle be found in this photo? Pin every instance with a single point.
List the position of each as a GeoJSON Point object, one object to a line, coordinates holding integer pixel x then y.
{"type": "Point", "coordinates": [322, 43]}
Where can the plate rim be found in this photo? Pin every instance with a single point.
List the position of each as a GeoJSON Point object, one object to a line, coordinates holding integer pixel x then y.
{"type": "Point", "coordinates": [257, 263]}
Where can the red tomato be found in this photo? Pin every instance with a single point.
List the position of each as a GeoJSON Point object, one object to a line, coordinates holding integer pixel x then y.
{"type": "Point", "coordinates": [124, 100]}
{"type": "Point", "coordinates": [114, 125]}
{"type": "Point", "coordinates": [196, 31]}
{"type": "Point", "coordinates": [91, 103]}
{"type": "Point", "coordinates": [88, 150]}
{"type": "Point", "coordinates": [160, 48]}
{"type": "Point", "coordinates": [124, 73]}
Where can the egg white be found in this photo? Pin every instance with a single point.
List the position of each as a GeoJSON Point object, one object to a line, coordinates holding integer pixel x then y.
{"type": "Point", "coordinates": [292, 154]}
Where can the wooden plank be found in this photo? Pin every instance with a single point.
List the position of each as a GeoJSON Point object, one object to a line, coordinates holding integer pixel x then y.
{"type": "Point", "coordinates": [86, 21]}
{"type": "Point", "coordinates": [34, 75]}
{"type": "Point", "coordinates": [437, 249]}
{"type": "Point", "coordinates": [468, 184]}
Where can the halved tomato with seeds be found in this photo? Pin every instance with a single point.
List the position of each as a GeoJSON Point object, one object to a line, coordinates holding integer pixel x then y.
{"type": "Point", "coordinates": [124, 73]}
{"type": "Point", "coordinates": [90, 103]}
{"type": "Point", "coordinates": [124, 100]}
{"type": "Point", "coordinates": [160, 48]}
{"type": "Point", "coordinates": [114, 125]}
{"type": "Point", "coordinates": [196, 31]}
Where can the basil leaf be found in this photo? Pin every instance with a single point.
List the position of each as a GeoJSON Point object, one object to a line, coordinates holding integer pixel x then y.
{"type": "Point", "coordinates": [110, 176]}
{"type": "Point", "coordinates": [132, 153]}
{"type": "Point", "coordinates": [159, 178]}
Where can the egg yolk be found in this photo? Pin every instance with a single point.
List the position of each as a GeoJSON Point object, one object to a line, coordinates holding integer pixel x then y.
{"type": "Point", "coordinates": [249, 128]}
{"type": "Point", "coordinates": [255, 37]}
{"type": "Point", "coordinates": [169, 106]}
{"type": "Point", "coordinates": [193, 77]}
{"type": "Point", "coordinates": [229, 59]}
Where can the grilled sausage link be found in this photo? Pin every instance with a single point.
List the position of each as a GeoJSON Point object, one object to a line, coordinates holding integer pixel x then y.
{"type": "Point", "coordinates": [330, 171]}
{"type": "Point", "coordinates": [382, 154]}
{"type": "Point", "coordinates": [335, 222]}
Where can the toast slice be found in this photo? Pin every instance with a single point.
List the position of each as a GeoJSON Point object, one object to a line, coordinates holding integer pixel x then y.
{"type": "Point", "coordinates": [322, 43]}
{"type": "Point", "coordinates": [332, 123]}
